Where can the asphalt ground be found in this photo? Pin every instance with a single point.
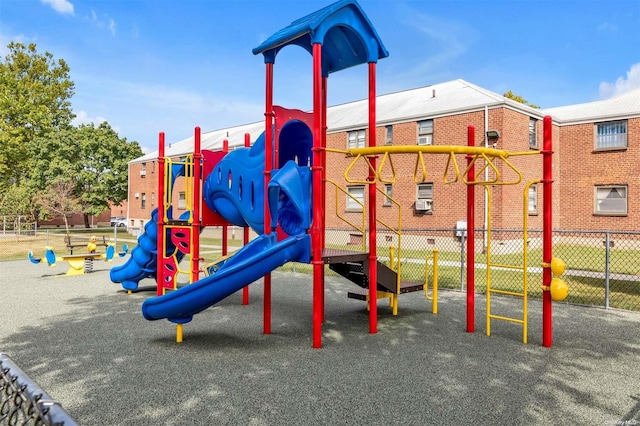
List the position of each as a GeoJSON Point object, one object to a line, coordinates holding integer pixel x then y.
{"type": "Point", "coordinates": [85, 342]}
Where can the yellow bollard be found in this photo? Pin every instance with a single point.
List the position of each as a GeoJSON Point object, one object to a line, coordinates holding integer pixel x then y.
{"type": "Point", "coordinates": [179, 333]}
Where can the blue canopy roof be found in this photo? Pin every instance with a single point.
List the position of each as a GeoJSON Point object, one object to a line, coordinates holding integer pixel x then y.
{"type": "Point", "coordinates": [345, 32]}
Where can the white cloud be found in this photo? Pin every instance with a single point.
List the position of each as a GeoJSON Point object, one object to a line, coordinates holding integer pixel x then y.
{"type": "Point", "coordinates": [622, 84]}
{"type": "Point", "coordinates": [108, 23]}
{"type": "Point", "coordinates": [61, 6]}
{"type": "Point", "coordinates": [112, 27]}
{"type": "Point", "coordinates": [83, 118]}
{"type": "Point", "coordinates": [442, 42]}
{"type": "Point", "coordinates": [607, 26]}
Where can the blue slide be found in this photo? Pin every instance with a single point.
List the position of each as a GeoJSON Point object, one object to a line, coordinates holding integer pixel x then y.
{"type": "Point", "coordinates": [235, 189]}
{"type": "Point", "coordinates": [247, 265]}
{"type": "Point", "coordinates": [143, 261]}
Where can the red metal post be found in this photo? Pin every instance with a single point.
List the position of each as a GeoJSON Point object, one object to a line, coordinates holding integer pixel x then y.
{"type": "Point", "coordinates": [160, 222]}
{"type": "Point", "coordinates": [323, 191]}
{"type": "Point", "coordinates": [317, 228]}
{"type": "Point", "coordinates": [268, 155]}
{"type": "Point", "coordinates": [195, 213]}
{"type": "Point", "coordinates": [471, 235]}
{"type": "Point", "coordinates": [373, 254]}
{"type": "Point", "coordinates": [225, 227]}
{"type": "Point", "coordinates": [547, 229]}
{"type": "Point", "coordinates": [325, 82]}
{"type": "Point", "coordinates": [245, 231]}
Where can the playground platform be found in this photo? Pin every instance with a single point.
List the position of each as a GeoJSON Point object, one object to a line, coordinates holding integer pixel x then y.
{"type": "Point", "coordinates": [85, 342]}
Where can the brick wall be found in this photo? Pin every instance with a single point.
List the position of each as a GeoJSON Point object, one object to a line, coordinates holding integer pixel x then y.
{"type": "Point", "coordinates": [144, 185]}
{"type": "Point", "coordinates": [576, 169]}
{"type": "Point", "coordinates": [583, 168]}
{"type": "Point", "coordinates": [449, 203]}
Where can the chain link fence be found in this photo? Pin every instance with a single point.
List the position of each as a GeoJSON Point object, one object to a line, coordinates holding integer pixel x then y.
{"type": "Point", "coordinates": [22, 402]}
{"type": "Point", "coordinates": [603, 268]}
{"type": "Point", "coordinates": [17, 243]}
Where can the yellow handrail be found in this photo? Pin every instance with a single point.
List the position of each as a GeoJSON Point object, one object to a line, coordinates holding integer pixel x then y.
{"type": "Point", "coordinates": [362, 228]}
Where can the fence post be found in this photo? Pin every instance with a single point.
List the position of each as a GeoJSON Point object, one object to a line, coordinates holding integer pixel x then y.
{"type": "Point", "coordinates": [607, 259]}
{"type": "Point", "coordinates": [462, 268]}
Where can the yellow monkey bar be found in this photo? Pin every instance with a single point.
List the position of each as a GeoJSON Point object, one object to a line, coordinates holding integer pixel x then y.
{"type": "Point", "coordinates": [489, 155]}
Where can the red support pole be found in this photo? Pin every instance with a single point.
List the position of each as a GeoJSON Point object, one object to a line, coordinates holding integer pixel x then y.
{"type": "Point", "coordinates": [323, 192]}
{"type": "Point", "coordinates": [268, 155]}
{"type": "Point", "coordinates": [325, 82]}
{"type": "Point", "coordinates": [317, 228]}
{"type": "Point", "coordinates": [225, 227]}
{"type": "Point", "coordinates": [471, 235]}
{"type": "Point", "coordinates": [547, 229]}
{"type": "Point", "coordinates": [160, 222]}
{"type": "Point", "coordinates": [373, 255]}
{"type": "Point", "coordinates": [195, 213]}
{"type": "Point", "coordinates": [245, 231]}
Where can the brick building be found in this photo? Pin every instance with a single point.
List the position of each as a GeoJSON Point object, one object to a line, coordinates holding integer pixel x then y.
{"type": "Point", "coordinates": [595, 150]}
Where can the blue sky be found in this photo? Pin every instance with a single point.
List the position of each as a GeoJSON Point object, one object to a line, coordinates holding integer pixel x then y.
{"type": "Point", "coordinates": [147, 66]}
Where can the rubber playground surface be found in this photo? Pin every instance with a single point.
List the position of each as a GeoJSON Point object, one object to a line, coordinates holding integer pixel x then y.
{"type": "Point", "coordinates": [85, 342]}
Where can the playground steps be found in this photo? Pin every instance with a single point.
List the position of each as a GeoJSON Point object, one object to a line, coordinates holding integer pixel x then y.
{"type": "Point", "coordinates": [351, 265]}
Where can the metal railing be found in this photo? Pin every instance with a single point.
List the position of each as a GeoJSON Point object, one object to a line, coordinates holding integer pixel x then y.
{"type": "Point", "coordinates": [22, 402]}
{"type": "Point", "coordinates": [603, 267]}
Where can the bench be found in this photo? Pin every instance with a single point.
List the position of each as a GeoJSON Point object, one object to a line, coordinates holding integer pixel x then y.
{"type": "Point", "coordinates": [76, 242]}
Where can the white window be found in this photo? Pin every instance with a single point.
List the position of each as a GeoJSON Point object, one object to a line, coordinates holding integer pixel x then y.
{"type": "Point", "coordinates": [387, 190]}
{"type": "Point", "coordinates": [388, 138]}
{"type": "Point", "coordinates": [143, 170]}
{"type": "Point", "coordinates": [153, 199]}
{"type": "Point", "coordinates": [355, 139]}
{"type": "Point", "coordinates": [424, 198]}
{"type": "Point", "coordinates": [425, 132]}
{"type": "Point", "coordinates": [612, 135]}
{"type": "Point", "coordinates": [611, 200]}
{"type": "Point", "coordinates": [355, 197]}
{"type": "Point", "coordinates": [143, 200]}
{"type": "Point", "coordinates": [533, 134]}
{"type": "Point", "coordinates": [182, 200]}
{"type": "Point", "coordinates": [533, 199]}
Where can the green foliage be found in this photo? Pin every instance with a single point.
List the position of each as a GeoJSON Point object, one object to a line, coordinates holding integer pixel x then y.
{"type": "Point", "coordinates": [520, 99]}
{"type": "Point", "coordinates": [16, 200]}
{"type": "Point", "coordinates": [93, 158]}
{"type": "Point", "coordinates": [34, 101]}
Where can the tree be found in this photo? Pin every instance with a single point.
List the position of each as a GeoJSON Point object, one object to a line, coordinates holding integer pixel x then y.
{"type": "Point", "coordinates": [520, 99]}
{"type": "Point", "coordinates": [95, 159]}
{"type": "Point", "coordinates": [16, 200]}
{"type": "Point", "coordinates": [34, 100]}
{"type": "Point", "coordinates": [58, 200]}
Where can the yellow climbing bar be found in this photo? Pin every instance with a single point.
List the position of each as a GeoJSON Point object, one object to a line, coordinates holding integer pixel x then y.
{"type": "Point", "coordinates": [427, 149]}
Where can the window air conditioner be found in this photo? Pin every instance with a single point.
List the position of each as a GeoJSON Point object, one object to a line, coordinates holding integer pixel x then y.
{"type": "Point", "coordinates": [137, 195]}
{"type": "Point", "coordinates": [425, 140]}
{"type": "Point", "coordinates": [143, 173]}
{"type": "Point", "coordinates": [423, 205]}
